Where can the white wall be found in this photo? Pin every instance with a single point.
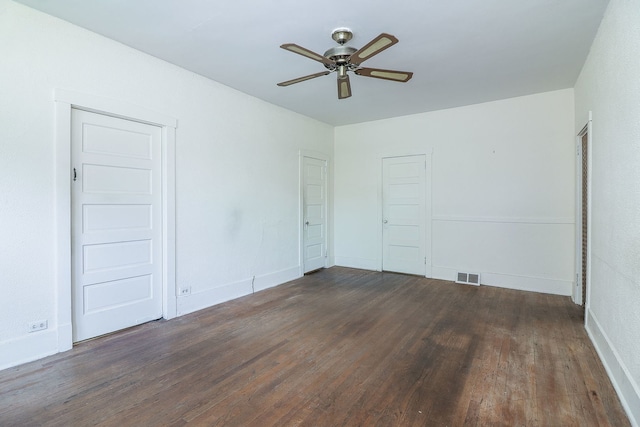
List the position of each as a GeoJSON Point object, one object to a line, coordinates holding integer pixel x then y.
{"type": "Point", "coordinates": [502, 189]}
{"type": "Point", "coordinates": [236, 171]}
{"type": "Point", "coordinates": [609, 85]}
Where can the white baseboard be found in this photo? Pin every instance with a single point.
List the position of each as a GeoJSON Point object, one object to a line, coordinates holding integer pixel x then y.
{"type": "Point", "coordinates": [207, 298]}
{"type": "Point", "coordinates": [361, 263]}
{"type": "Point", "coordinates": [522, 283]}
{"type": "Point", "coordinates": [627, 389]}
{"type": "Point", "coordinates": [65, 337]}
{"type": "Point", "coordinates": [270, 280]}
{"type": "Point", "coordinates": [37, 345]}
{"type": "Point", "coordinates": [28, 348]}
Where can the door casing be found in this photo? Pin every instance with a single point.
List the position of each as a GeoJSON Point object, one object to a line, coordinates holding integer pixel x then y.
{"type": "Point", "coordinates": [577, 289]}
{"type": "Point", "coordinates": [65, 100]}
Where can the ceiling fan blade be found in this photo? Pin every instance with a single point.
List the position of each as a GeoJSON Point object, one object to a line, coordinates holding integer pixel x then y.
{"type": "Point", "coordinates": [301, 79]}
{"type": "Point", "coordinates": [396, 76]}
{"type": "Point", "coordinates": [291, 47]}
{"type": "Point", "coordinates": [344, 87]}
{"type": "Point", "coordinates": [374, 47]}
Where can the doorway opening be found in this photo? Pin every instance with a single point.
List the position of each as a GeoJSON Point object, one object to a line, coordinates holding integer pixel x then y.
{"type": "Point", "coordinates": [583, 215]}
{"type": "Point", "coordinates": [66, 102]}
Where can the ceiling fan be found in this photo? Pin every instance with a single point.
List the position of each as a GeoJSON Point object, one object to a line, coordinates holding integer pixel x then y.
{"type": "Point", "coordinates": [346, 58]}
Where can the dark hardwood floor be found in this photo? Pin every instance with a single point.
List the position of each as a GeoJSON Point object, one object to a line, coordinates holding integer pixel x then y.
{"type": "Point", "coordinates": [340, 347]}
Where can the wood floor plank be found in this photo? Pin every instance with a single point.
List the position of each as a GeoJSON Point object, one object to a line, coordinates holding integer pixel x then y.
{"type": "Point", "coordinates": [340, 347]}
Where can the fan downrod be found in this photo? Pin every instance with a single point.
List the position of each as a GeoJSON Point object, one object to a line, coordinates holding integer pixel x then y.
{"type": "Point", "coordinates": [340, 54]}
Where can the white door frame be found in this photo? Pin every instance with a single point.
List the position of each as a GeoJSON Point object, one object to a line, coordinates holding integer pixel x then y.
{"type": "Point", "coordinates": [577, 290]}
{"type": "Point", "coordinates": [428, 236]}
{"type": "Point", "coordinates": [320, 156]}
{"type": "Point", "coordinates": [65, 100]}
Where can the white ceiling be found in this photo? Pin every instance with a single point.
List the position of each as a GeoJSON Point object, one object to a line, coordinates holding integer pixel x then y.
{"type": "Point", "coordinates": [461, 51]}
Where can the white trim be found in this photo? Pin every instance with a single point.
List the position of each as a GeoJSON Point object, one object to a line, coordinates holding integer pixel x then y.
{"type": "Point", "coordinates": [63, 224]}
{"type": "Point", "coordinates": [576, 293]}
{"type": "Point", "coordinates": [511, 281]}
{"type": "Point", "coordinates": [212, 296]}
{"type": "Point", "coordinates": [28, 348]}
{"type": "Point", "coordinates": [428, 236]}
{"type": "Point", "coordinates": [228, 291]}
{"type": "Point", "coordinates": [428, 226]}
{"type": "Point", "coordinates": [169, 303]}
{"type": "Point", "coordinates": [628, 390]}
{"type": "Point", "coordinates": [113, 107]}
{"type": "Point", "coordinates": [360, 263]}
{"type": "Point", "coordinates": [64, 101]}
{"type": "Point", "coordinates": [274, 279]}
{"type": "Point", "coordinates": [589, 209]}
{"type": "Point", "coordinates": [331, 261]}
{"type": "Point", "coordinates": [504, 220]}
{"type": "Point", "coordinates": [329, 173]}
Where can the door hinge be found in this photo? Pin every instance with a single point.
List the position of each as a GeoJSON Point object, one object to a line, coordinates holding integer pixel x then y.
{"type": "Point", "coordinates": [578, 150]}
{"type": "Point", "coordinates": [75, 174]}
{"type": "Point", "coordinates": [425, 260]}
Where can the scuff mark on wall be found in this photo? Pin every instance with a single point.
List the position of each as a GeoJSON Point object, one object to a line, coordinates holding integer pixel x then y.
{"type": "Point", "coordinates": [234, 223]}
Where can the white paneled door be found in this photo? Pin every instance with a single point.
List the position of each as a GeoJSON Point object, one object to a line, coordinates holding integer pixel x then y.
{"type": "Point", "coordinates": [116, 223]}
{"type": "Point", "coordinates": [403, 214]}
{"type": "Point", "coordinates": [314, 196]}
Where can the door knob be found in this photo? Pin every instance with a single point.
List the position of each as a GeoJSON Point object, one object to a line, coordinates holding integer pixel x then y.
{"type": "Point", "coordinates": [306, 223]}
{"type": "Point", "coordinates": [384, 221]}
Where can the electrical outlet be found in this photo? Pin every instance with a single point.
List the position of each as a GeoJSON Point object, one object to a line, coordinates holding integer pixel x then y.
{"type": "Point", "coordinates": [184, 291]}
{"type": "Point", "coordinates": [38, 326]}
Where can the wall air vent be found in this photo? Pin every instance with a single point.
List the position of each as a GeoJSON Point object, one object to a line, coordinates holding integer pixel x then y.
{"type": "Point", "coordinates": [468, 278]}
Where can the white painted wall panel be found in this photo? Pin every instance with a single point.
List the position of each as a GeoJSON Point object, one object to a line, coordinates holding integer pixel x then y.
{"type": "Point", "coordinates": [530, 250]}
{"type": "Point", "coordinates": [502, 188]}
{"type": "Point", "coordinates": [237, 169]}
{"type": "Point", "coordinates": [609, 86]}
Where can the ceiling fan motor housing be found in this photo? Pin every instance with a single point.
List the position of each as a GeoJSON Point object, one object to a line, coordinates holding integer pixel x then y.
{"type": "Point", "coordinates": [339, 54]}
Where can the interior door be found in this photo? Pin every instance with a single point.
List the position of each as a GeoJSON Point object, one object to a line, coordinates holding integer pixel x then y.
{"type": "Point", "coordinates": [314, 195]}
{"type": "Point", "coordinates": [116, 223]}
{"type": "Point", "coordinates": [403, 214]}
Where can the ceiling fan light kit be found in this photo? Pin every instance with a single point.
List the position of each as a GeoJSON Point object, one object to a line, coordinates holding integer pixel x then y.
{"type": "Point", "coordinates": [343, 59]}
